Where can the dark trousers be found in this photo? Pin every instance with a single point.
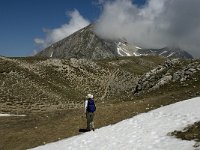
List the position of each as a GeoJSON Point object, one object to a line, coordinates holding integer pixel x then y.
{"type": "Point", "coordinates": [90, 120]}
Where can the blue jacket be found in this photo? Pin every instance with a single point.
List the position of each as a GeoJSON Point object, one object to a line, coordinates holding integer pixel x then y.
{"type": "Point", "coordinates": [90, 105]}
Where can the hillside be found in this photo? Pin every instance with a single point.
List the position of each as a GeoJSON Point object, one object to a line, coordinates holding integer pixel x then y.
{"type": "Point", "coordinates": [40, 84]}
{"type": "Point", "coordinates": [50, 93]}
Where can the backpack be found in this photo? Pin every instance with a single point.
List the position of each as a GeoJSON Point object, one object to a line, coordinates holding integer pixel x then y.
{"type": "Point", "coordinates": [91, 106]}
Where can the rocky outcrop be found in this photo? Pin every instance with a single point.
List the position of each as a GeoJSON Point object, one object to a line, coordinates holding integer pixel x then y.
{"type": "Point", "coordinates": [170, 71]}
{"type": "Point", "coordinates": [186, 72]}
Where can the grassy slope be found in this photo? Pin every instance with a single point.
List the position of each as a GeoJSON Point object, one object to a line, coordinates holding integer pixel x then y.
{"type": "Point", "coordinates": [38, 85]}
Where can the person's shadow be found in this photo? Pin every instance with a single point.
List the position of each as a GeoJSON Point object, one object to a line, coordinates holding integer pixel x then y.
{"type": "Point", "coordinates": [83, 130]}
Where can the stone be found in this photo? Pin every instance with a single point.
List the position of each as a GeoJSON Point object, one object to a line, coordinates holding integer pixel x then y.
{"type": "Point", "coordinates": [197, 144]}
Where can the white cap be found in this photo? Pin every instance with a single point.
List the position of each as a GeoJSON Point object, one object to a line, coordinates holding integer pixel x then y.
{"type": "Point", "coordinates": [89, 96]}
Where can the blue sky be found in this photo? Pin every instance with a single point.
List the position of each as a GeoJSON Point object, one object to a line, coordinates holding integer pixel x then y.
{"type": "Point", "coordinates": [24, 20]}
{"type": "Point", "coordinates": [28, 26]}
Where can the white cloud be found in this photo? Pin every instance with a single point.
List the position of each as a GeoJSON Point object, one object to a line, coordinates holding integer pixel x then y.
{"type": "Point", "coordinates": [39, 41]}
{"type": "Point", "coordinates": [157, 24]}
{"type": "Point", "coordinates": [75, 23]}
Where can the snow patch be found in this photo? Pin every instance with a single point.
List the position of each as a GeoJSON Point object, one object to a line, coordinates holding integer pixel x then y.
{"type": "Point", "coordinates": [137, 54]}
{"type": "Point", "coordinates": [8, 115]}
{"type": "Point", "coordinates": [122, 51]}
{"type": "Point", "coordinates": [51, 54]}
{"type": "Point", "coordinates": [138, 47]}
{"type": "Point", "coordinates": [170, 54]}
{"type": "Point", "coordinates": [163, 52]}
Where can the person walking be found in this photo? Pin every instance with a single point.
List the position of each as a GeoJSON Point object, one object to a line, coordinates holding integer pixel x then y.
{"type": "Point", "coordinates": [90, 109]}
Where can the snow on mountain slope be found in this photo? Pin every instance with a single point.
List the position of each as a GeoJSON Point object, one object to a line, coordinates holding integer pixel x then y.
{"type": "Point", "coordinates": [147, 131]}
{"type": "Point", "coordinates": [121, 50]}
{"type": "Point", "coordinates": [125, 49]}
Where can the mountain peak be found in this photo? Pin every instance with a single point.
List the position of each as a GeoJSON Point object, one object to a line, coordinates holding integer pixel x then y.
{"type": "Point", "coordinates": [81, 44]}
{"type": "Point", "coordinates": [86, 44]}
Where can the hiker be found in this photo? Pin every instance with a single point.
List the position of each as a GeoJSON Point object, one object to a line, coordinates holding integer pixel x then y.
{"type": "Point", "coordinates": [90, 108]}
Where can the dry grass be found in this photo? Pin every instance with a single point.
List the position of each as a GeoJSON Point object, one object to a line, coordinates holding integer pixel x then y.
{"type": "Point", "coordinates": [38, 84]}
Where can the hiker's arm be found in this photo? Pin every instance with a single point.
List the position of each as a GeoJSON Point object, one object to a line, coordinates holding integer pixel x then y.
{"type": "Point", "coordinates": [85, 107]}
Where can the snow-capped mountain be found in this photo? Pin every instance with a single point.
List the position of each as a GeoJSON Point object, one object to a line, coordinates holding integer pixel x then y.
{"type": "Point", "coordinates": [85, 43]}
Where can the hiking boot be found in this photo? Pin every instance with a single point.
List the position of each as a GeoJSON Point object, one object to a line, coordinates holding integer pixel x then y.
{"type": "Point", "coordinates": [88, 129]}
{"type": "Point", "coordinates": [93, 129]}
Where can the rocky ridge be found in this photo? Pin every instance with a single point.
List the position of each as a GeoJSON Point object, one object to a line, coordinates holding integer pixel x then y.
{"type": "Point", "coordinates": [171, 71]}
{"type": "Point", "coordinates": [168, 52]}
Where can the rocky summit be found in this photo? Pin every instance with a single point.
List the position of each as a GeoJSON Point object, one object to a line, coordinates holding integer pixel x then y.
{"type": "Point", "coordinates": [82, 44]}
